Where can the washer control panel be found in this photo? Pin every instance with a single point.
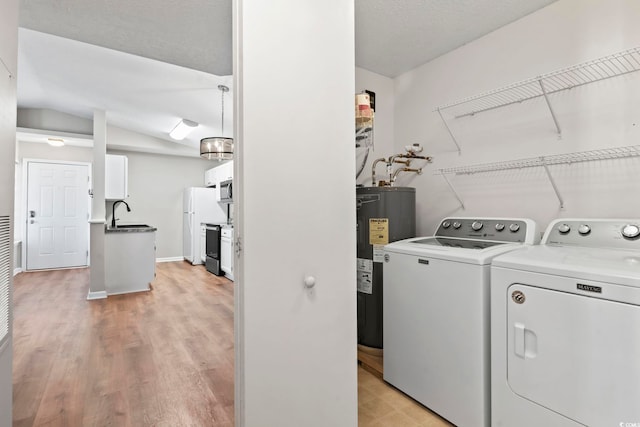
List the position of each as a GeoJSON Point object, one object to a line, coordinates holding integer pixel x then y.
{"type": "Point", "coordinates": [495, 229]}
{"type": "Point", "coordinates": [604, 233]}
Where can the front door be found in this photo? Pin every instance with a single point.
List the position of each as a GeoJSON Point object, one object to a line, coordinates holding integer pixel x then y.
{"type": "Point", "coordinates": [57, 215]}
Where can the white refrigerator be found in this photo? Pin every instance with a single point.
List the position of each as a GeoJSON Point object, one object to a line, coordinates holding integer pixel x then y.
{"type": "Point", "coordinates": [200, 206]}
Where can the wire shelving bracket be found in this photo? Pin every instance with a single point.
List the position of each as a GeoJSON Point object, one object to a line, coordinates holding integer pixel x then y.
{"type": "Point", "coordinates": [543, 161]}
{"type": "Point", "coordinates": [614, 65]}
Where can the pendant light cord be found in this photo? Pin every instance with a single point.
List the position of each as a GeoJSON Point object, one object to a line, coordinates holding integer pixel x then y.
{"type": "Point", "coordinates": [223, 89]}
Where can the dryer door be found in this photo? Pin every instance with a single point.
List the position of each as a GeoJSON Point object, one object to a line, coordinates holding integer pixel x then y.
{"type": "Point", "coordinates": [575, 355]}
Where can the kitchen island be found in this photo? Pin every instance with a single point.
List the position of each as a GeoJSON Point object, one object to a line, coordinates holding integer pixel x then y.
{"type": "Point", "coordinates": [130, 258]}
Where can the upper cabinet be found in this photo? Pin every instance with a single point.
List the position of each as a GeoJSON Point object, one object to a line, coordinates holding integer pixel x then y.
{"type": "Point", "coordinates": [116, 177]}
{"type": "Point", "coordinates": [210, 178]}
{"type": "Point", "coordinates": [223, 172]}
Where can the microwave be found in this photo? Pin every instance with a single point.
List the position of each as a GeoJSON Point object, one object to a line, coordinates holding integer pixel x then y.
{"type": "Point", "coordinates": [226, 191]}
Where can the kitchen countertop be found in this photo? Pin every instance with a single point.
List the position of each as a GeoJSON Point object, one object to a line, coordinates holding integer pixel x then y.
{"type": "Point", "coordinates": [130, 228]}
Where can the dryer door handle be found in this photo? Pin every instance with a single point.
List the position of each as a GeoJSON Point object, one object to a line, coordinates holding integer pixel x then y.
{"type": "Point", "coordinates": [525, 342]}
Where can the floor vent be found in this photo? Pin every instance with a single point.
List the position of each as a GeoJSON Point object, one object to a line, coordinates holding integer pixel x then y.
{"type": "Point", "coordinates": [6, 247]}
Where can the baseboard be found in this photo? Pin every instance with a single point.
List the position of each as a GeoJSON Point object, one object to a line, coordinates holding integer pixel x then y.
{"type": "Point", "coordinates": [17, 271]}
{"type": "Point", "coordinates": [170, 259]}
{"type": "Point", "coordinates": [96, 295]}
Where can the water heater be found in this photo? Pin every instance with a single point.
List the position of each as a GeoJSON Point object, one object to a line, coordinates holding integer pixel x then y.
{"type": "Point", "coordinates": [385, 214]}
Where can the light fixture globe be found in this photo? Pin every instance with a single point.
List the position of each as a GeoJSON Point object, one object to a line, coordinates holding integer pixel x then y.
{"type": "Point", "coordinates": [216, 148]}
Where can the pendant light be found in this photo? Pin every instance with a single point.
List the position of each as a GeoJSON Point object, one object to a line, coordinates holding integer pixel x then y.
{"type": "Point", "coordinates": [218, 147]}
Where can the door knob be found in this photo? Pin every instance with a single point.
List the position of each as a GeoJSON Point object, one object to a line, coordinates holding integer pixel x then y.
{"type": "Point", "coordinates": [32, 214]}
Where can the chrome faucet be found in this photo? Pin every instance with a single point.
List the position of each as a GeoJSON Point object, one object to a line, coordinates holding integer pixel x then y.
{"type": "Point", "coordinates": [113, 212]}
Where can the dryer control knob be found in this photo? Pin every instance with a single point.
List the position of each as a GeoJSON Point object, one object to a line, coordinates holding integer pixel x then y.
{"type": "Point", "coordinates": [476, 225]}
{"type": "Point", "coordinates": [564, 228]}
{"type": "Point", "coordinates": [584, 229]}
{"type": "Point", "coordinates": [499, 226]}
{"type": "Point", "coordinates": [446, 224]}
{"type": "Point", "coordinates": [514, 227]}
{"type": "Point", "coordinates": [456, 225]}
{"type": "Point", "coordinates": [631, 231]}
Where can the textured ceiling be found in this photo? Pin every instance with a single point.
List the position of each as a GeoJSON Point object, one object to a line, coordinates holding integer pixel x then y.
{"type": "Point", "coordinates": [393, 36]}
{"type": "Point", "coordinates": [192, 33]}
{"type": "Point", "coordinates": [176, 50]}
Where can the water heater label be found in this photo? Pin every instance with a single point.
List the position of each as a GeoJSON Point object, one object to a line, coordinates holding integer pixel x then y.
{"type": "Point", "coordinates": [365, 276]}
{"type": "Point", "coordinates": [378, 253]}
{"type": "Point", "coordinates": [379, 231]}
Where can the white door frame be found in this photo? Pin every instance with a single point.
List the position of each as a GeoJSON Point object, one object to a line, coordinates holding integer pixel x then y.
{"type": "Point", "coordinates": [23, 206]}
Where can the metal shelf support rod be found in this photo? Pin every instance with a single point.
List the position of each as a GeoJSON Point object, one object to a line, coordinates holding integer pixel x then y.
{"type": "Point", "coordinates": [449, 130]}
{"type": "Point", "coordinates": [455, 193]}
{"type": "Point", "coordinates": [552, 181]}
{"type": "Point", "coordinates": [546, 98]}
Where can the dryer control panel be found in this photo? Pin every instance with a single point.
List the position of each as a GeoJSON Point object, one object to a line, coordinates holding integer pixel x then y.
{"type": "Point", "coordinates": [598, 233]}
{"type": "Point", "coordinates": [513, 230]}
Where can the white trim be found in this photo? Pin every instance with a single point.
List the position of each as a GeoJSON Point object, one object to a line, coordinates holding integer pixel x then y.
{"type": "Point", "coordinates": [17, 271]}
{"type": "Point", "coordinates": [96, 295]}
{"type": "Point", "coordinates": [170, 259]}
{"type": "Point", "coordinates": [98, 221]}
{"type": "Point", "coordinates": [147, 289]}
{"type": "Point", "coordinates": [25, 195]}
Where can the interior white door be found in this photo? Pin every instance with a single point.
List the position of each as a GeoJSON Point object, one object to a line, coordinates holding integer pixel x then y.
{"type": "Point", "coordinates": [57, 215]}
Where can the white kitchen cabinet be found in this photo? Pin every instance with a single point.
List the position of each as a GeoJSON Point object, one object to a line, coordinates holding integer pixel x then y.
{"type": "Point", "coordinates": [225, 171]}
{"type": "Point", "coordinates": [210, 178]}
{"type": "Point", "coordinates": [203, 243]}
{"type": "Point", "coordinates": [226, 252]}
{"type": "Point", "coordinates": [130, 260]}
{"type": "Point", "coordinates": [116, 177]}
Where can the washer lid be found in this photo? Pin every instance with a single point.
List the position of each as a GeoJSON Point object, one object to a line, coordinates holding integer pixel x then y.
{"type": "Point", "coordinates": [460, 250]}
{"type": "Point", "coordinates": [599, 264]}
{"type": "Point", "coordinates": [456, 243]}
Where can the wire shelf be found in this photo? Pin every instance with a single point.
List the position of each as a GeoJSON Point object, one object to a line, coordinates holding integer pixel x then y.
{"type": "Point", "coordinates": [618, 64]}
{"type": "Point", "coordinates": [584, 156]}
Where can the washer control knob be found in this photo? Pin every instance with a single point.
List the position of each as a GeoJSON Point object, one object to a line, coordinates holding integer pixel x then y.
{"type": "Point", "coordinates": [446, 224]}
{"type": "Point", "coordinates": [564, 228]}
{"type": "Point", "coordinates": [631, 231]}
{"type": "Point", "coordinates": [584, 229]}
{"type": "Point", "coordinates": [499, 226]}
{"type": "Point", "coordinates": [456, 225]}
{"type": "Point", "coordinates": [514, 227]}
{"type": "Point", "coordinates": [476, 226]}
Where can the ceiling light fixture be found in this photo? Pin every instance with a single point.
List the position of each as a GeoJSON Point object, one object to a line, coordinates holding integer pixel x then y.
{"type": "Point", "coordinates": [218, 147]}
{"type": "Point", "coordinates": [55, 142]}
{"type": "Point", "coordinates": [182, 129]}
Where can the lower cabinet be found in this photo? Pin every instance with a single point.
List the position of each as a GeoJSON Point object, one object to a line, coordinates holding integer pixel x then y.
{"type": "Point", "coordinates": [226, 252]}
{"type": "Point", "coordinates": [130, 261]}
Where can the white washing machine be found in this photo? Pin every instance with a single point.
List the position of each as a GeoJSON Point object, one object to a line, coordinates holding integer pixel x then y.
{"type": "Point", "coordinates": [565, 328]}
{"type": "Point", "coordinates": [436, 313]}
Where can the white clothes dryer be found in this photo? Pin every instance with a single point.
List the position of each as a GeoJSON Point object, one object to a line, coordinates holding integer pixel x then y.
{"type": "Point", "coordinates": [565, 328]}
{"type": "Point", "coordinates": [436, 313]}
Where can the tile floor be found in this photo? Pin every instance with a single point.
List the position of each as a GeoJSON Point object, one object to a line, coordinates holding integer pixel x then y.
{"type": "Point", "coordinates": [381, 405]}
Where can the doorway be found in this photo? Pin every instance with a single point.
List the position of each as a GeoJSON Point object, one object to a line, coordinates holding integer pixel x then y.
{"type": "Point", "coordinates": [57, 213]}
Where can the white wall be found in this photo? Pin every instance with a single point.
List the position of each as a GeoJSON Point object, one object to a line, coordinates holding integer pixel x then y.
{"type": "Point", "coordinates": [42, 118]}
{"type": "Point", "coordinates": [604, 114]}
{"type": "Point", "coordinates": [122, 139]}
{"type": "Point", "coordinates": [156, 184]}
{"type": "Point", "coordinates": [383, 122]}
{"type": "Point", "coordinates": [9, 55]}
{"type": "Point", "coordinates": [294, 81]}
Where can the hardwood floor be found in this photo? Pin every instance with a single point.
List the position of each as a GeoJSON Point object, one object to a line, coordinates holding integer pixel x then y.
{"type": "Point", "coordinates": [159, 358]}
{"type": "Point", "coordinates": [381, 405]}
